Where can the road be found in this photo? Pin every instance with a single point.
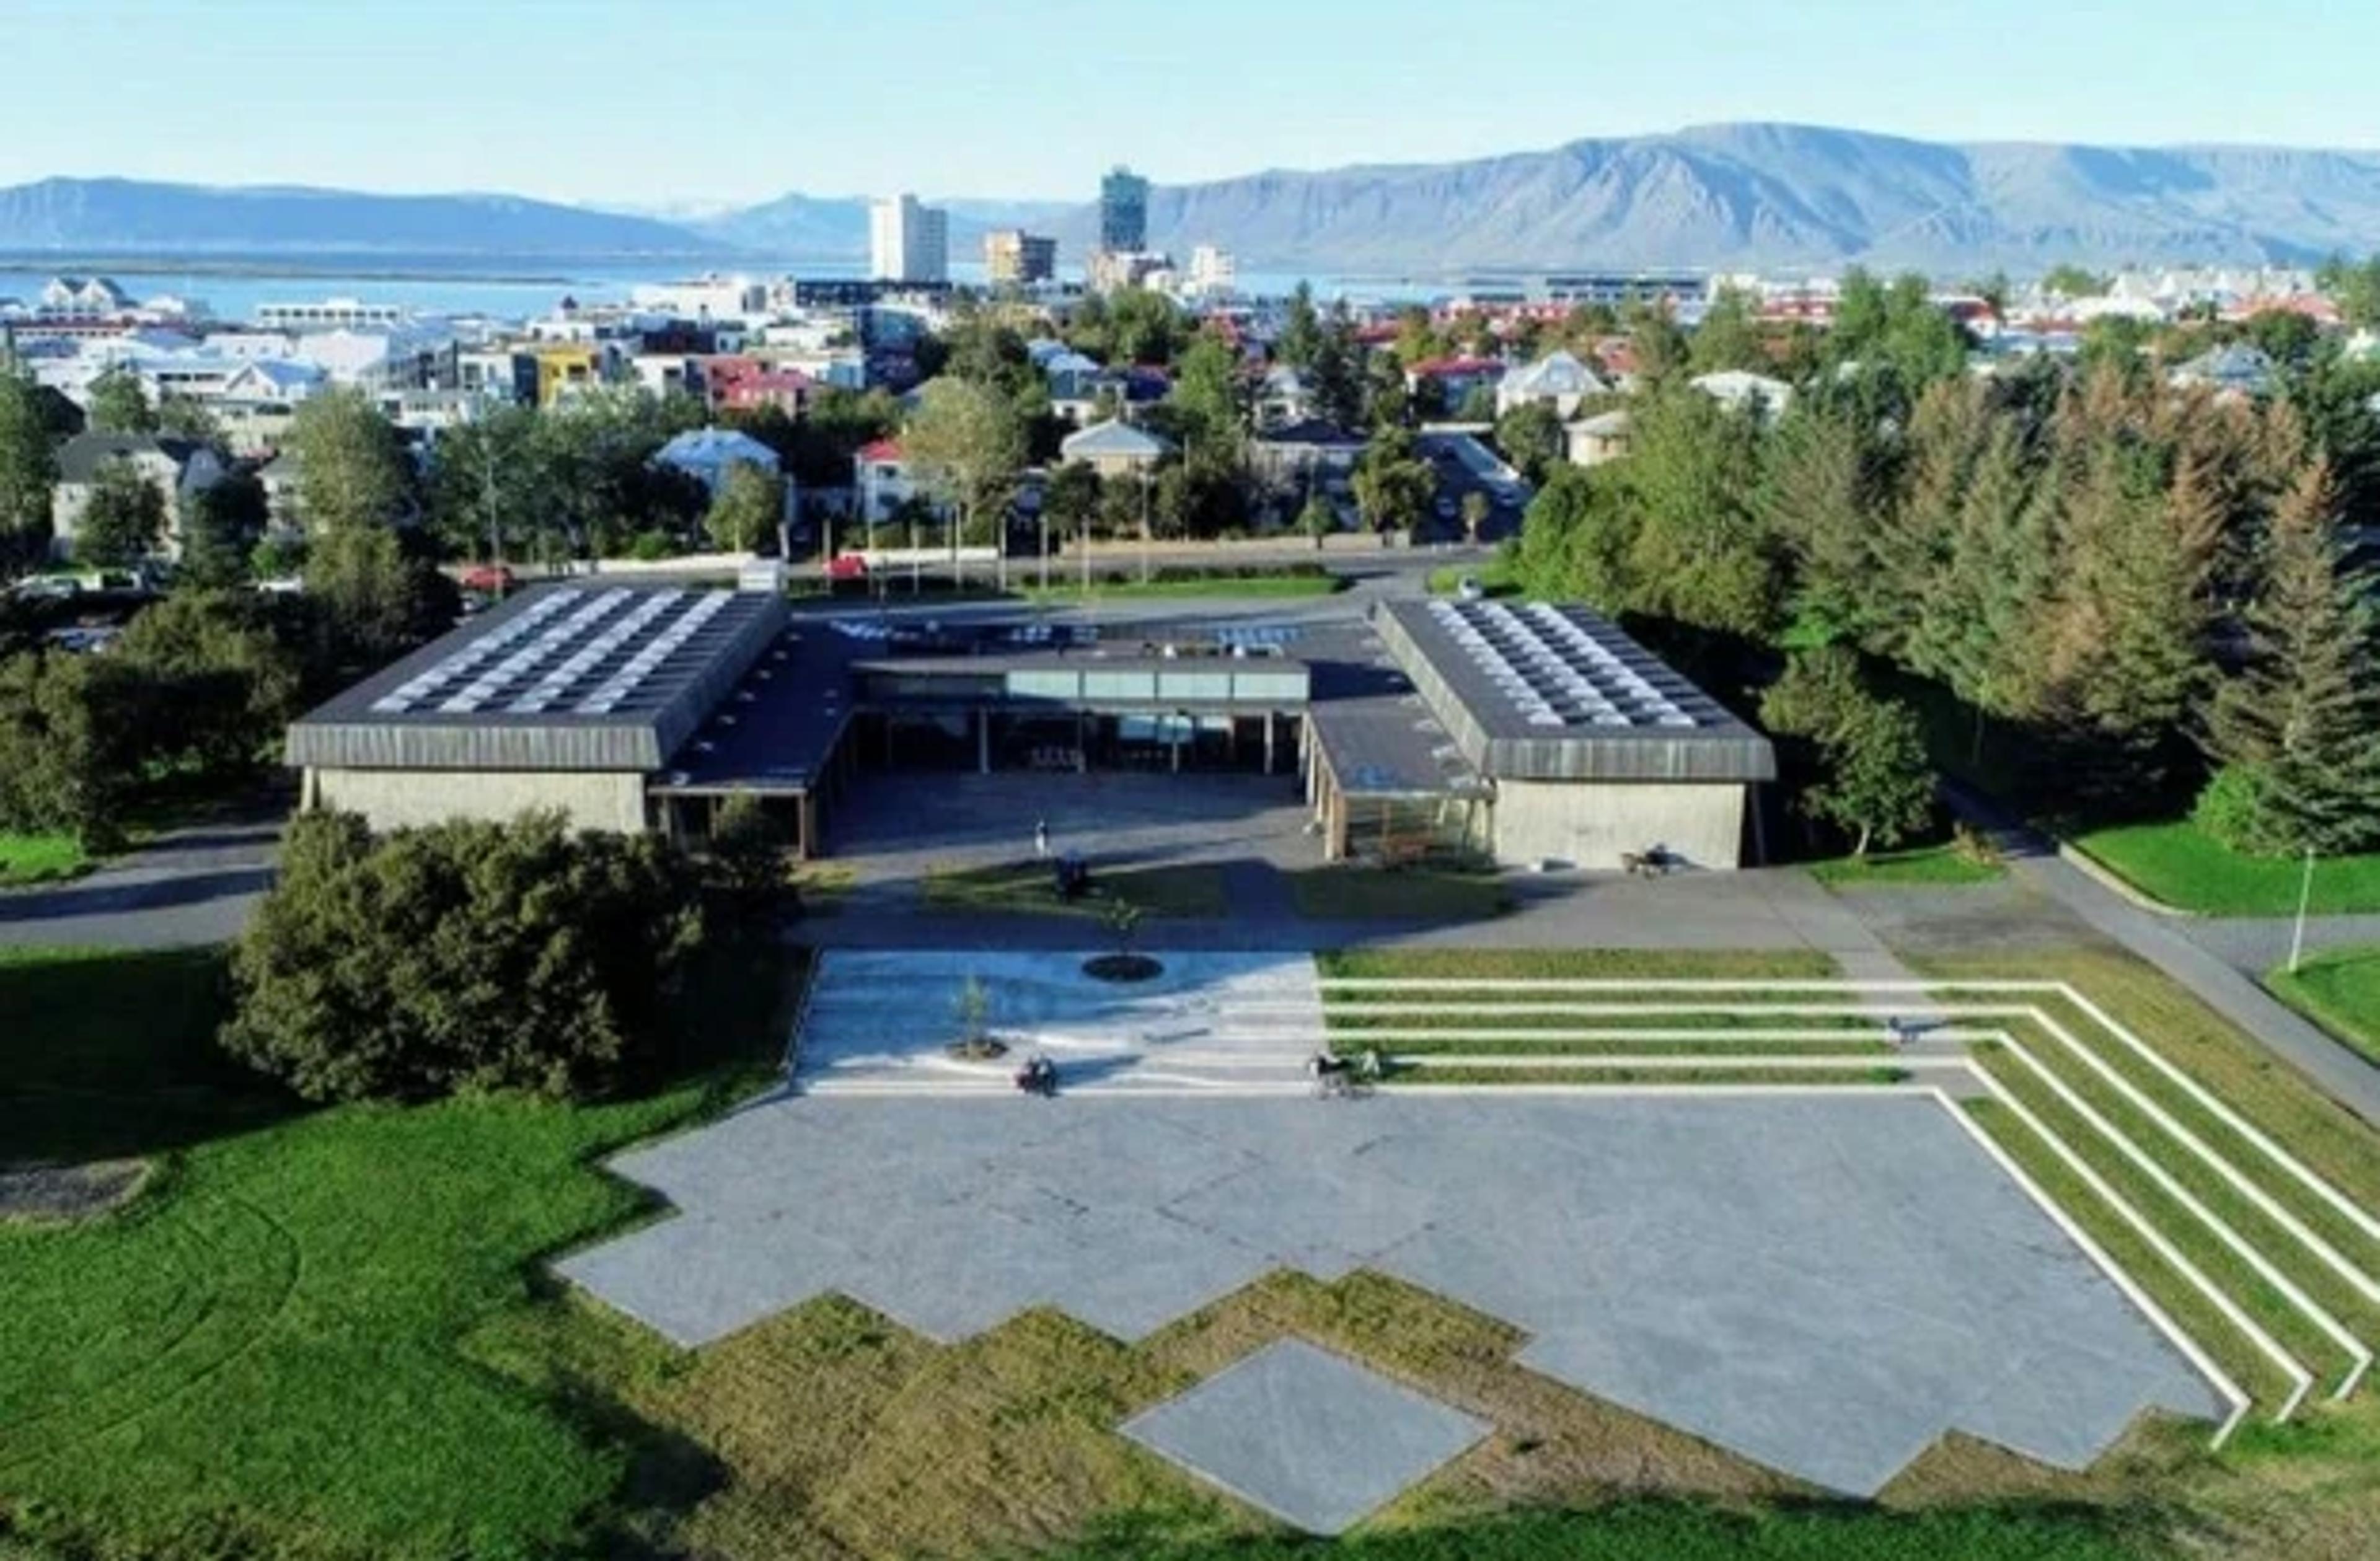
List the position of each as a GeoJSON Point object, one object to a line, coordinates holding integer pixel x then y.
{"type": "Point", "coordinates": [191, 885]}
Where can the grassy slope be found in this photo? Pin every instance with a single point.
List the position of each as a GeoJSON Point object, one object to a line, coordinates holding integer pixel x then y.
{"type": "Point", "coordinates": [2338, 990]}
{"type": "Point", "coordinates": [1933, 864]}
{"type": "Point", "coordinates": [2175, 863]}
{"type": "Point", "coordinates": [262, 1346]}
{"type": "Point", "coordinates": [26, 859]}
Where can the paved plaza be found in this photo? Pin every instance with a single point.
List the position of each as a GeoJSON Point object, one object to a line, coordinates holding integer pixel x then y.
{"type": "Point", "coordinates": [1824, 1283]}
{"type": "Point", "coordinates": [881, 1021]}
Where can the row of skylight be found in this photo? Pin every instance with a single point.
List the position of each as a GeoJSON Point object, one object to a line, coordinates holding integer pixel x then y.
{"type": "Point", "coordinates": [549, 690]}
{"type": "Point", "coordinates": [417, 690]}
{"type": "Point", "coordinates": [1555, 673]}
{"type": "Point", "coordinates": [612, 692]}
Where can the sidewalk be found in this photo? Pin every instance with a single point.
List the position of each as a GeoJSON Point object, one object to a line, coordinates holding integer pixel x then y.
{"type": "Point", "coordinates": [2168, 944]}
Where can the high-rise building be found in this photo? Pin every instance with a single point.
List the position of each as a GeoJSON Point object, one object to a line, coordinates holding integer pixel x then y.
{"type": "Point", "coordinates": [1123, 211]}
{"type": "Point", "coordinates": [1010, 254]}
{"type": "Point", "coordinates": [908, 242]}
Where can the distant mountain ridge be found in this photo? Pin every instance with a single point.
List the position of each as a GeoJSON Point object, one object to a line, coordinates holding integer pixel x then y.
{"type": "Point", "coordinates": [1718, 197]}
{"type": "Point", "coordinates": [93, 216]}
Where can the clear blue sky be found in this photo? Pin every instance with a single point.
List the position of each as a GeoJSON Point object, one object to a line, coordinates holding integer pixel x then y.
{"type": "Point", "coordinates": [673, 101]}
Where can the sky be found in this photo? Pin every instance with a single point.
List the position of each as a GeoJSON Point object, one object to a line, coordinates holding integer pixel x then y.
{"type": "Point", "coordinates": [675, 104]}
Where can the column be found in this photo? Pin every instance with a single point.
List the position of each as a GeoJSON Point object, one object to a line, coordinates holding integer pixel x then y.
{"type": "Point", "coordinates": [983, 742]}
{"type": "Point", "coordinates": [1268, 720]}
{"type": "Point", "coordinates": [806, 840]}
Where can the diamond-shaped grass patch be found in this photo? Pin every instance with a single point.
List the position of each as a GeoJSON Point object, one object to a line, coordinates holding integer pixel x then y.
{"type": "Point", "coordinates": [1315, 1440]}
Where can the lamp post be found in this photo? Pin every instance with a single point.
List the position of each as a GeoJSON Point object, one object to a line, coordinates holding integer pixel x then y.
{"type": "Point", "coordinates": [2305, 898]}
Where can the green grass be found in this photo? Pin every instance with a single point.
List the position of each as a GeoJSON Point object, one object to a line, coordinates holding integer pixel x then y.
{"type": "Point", "coordinates": [1221, 584]}
{"type": "Point", "coordinates": [1495, 576]}
{"type": "Point", "coordinates": [256, 1355]}
{"type": "Point", "coordinates": [2339, 990]}
{"type": "Point", "coordinates": [1028, 888]}
{"type": "Point", "coordinates": [1423, 1071]}
{"type": "Point", "coordinates": [1352, 893]}
{"type": "Point", "coordinates": [2186, 869]}
{"type": "Point", "coordinates": [1640, 1530]}
{"type": "Point", "coordinates": [30, 859]}
{"type": "Point", "coordinates": [1932, 865]}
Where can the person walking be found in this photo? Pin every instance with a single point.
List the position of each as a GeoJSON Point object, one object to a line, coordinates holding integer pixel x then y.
{"type": "Point", "coordinates": [1041, 840]}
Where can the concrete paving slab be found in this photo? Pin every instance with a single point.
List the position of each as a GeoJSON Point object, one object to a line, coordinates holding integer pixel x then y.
{"type": "Point", "coordinates": [1824, 1283]}
{"type": "Point", "coordinates": [1306, 1435]}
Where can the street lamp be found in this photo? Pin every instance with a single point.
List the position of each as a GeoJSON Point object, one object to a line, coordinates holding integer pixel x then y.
{"type": "Point", "coordinates": [2305, 898]}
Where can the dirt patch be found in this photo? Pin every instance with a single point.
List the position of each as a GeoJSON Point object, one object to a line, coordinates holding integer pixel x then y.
{"type": "Point", "coordinates": [56, 1193]}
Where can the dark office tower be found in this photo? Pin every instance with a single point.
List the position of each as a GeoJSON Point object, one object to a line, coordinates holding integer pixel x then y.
{"type": "Point", "coordinates": [1123, 211]}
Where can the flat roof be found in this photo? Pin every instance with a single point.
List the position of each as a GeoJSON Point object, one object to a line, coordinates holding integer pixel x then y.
{"type": "Point", "coordinates": [563, 677]}
{"type": "Point", "coordinates": [1544, 692]}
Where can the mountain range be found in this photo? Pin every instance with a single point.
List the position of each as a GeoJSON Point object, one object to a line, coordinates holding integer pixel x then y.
{"type": "Point", "coordinates": [1729, 196]}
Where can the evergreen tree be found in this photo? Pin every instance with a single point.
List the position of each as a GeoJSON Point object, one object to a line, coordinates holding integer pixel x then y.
{"type": "Point", "coordinates": [221, 527]}
{"type": "Point", "coordinates": [351, 470]}
{"type": "Point", "coordinates": [119, 403]}
{"type": "Point", "coordinates": [27, 471]}
{"type": "Point", "coordinates": [1301, 333]}
{"type": "Point", "coordinates": [750, 504]}
{"type": "Point", "coordinates": [1819, 489]}
{"type": "Point", "coordinates": [2303, 716]}
{"type": "Point", "coordinates": [1916, 536]}
{"type": "Point", "coordinates": [1700, 553]}
{"type": "Point", "coordinates": [1728, 336]}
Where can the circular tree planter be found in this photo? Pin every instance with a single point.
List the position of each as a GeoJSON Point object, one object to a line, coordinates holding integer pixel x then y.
{"type": "Point", "coordinates": [1122, 967]}
{"type": "Point", "coordinates": [989, 1048]}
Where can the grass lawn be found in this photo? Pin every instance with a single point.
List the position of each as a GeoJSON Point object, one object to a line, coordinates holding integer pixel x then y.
{"type": "Point", "coordinates": [1930, 865]}
{"type": "Point", "coordinates": [2180, 865]}
{"type": "Point", "coordinates": [2338, 990]}
{"type": "Point", "coordinates": [256, 1355]}
{"type": "Point", "coordinates": [1293, 587]}
{"type": "Point", "coordinates": [1028, 888]}
{"type": "Point", "coordinates": [1495, 578]}
{"type": "Point", "coordinates": [1438, 894]}
{"type": "Point", "coordinates": [27, 859]}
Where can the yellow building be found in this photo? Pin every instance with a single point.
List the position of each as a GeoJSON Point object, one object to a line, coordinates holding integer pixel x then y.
{"type": "Point", "coordinates": [565, 369]}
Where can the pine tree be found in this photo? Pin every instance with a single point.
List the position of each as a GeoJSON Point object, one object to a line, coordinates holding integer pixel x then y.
{"type": "Point", "coordinates": [2301, 716]}
{"type": "Point", "coordinates": [1915, 537]}
{"type": "Point", "coordinates": [1818, 492]}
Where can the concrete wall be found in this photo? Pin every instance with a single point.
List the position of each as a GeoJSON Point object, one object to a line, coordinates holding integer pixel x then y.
{"type": "Point", "coordinates": [394, 799]}
{"type": "Point", "coordinates": [1590, 823]}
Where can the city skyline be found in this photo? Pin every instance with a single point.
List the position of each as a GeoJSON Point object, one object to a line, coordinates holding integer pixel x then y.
{"type": "Point", "coordinates": [1331, 85]}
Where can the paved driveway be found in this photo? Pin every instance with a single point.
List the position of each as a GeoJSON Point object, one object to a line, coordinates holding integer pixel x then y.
{"type": "Point", "coordinates": [1823, 1283]}
{"type": "Point", "coordinates": [195, 884]}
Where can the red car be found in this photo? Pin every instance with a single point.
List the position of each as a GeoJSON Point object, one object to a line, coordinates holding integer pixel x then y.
{"type": "Point", "coordinates": [494, 578]}
{"type": "Point", "coordinates": [847, 566]}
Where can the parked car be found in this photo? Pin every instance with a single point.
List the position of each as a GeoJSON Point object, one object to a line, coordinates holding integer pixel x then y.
{"type": "Point", "coordinates": [494, 578]}
{"type": "Point", "coordinates": [847, 566]}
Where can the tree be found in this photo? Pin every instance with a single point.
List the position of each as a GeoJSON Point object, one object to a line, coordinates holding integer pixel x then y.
{"type": "Point", "coordinates": [1301, 332]}
{"type": "Point", "coordinates": [749, 851]}
{"type": "Point", "coordinates": [466, 957]}
{"type": "Point", "coordinates": [1209, 405]}
{"type": "Point", "coordinates": [124, 519]}
{"type": "Point", "coordinates": [351, 470]}
{"type": "Point", "coordinates": [1476, 510]}
{"type": "Point", "coordinates": [372, 600]}
{"type": "Point", "coordinates": [1394, 486]}
{"type": "Point", "coordinates": [2071, 281]}
{"type": "Point", "coordinates": [1531, 437]}
{"type": "Point", "coordinates": [1699, 552]}
{"type": "Point", "coordinates": [183, 417]}
{"type": "Point", "coordinates": [750, 505]}
{"type": "Point", "coordinates": [2354, 288]}
{"type": "Point", "coordinates": [1577, 539]}
{"type": "Point", "coordinates": [119, 403]}
{"type": "Point", "coordinates": [966, 445]}
{"type": "Point", "coordinates": [1070, 499]}
{"type": "Point", "coordinates": [1478, 405]}
{"type": "Point", "coordinates": [1318, 519]}
{"type": "Point", "coordinates": [1728, 335]}
{"type": "Point", "coordinates": [1862, 759]}
{"type": "Point", "coordinates": [66, 727]}
{"type": "Point", "coordinates": [214, 684]}
{"type": "Point", "coordinates": [2303, 718]}
{"type": "Point", "coordinates": [1820, 488]}
{"type": "Point", "coordinates": [222, 524]}
{"type": "Point", "coordinates": [1336, 371]}
{"type": "Point", "coordinates": [27, 471]}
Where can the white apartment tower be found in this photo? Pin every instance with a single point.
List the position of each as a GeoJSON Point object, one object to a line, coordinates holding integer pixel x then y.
{"type": "Point", "coordinates": [908, 242]}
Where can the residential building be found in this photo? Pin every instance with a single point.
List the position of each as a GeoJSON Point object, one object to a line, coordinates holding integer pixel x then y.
{"type": "Point", "coordinates": [565, 370]}
{"type": "Point", "coordinates": [908, 242]}
{"type": "Point", "coordinates": [1309, 452]}
{"type": "Point", "coordinates": [737, 388]}
{"type": "Point", "coordinates": [1455, 377]}
{"type": "Point", "coordinates": [2235, 368]}
{"type": "Point", "coordinates": [1014, 256]}
{"type": "Point", "coordinates": [1740, 391]}
{"type": "Point", "coordinates": [1112, 269]}
{"type": "Point", "coordinates": [709, 455]}
{"type": "Point", "coordinates": [500, 374]}
{"type": "Point", "coordinates": [1284, 397]}
{"type": "Point", "coordinates": [331, 314]}
{"type": "Point", "coordinates": [703, 297]}
{"type": "Point", "coordinates": [1559, 379]}
{"type": "Point", "coordinates": [1593, 441]}
{"type": "Point", "coordinates": [178, 468]}
{"type": "Point", "coordinates": [880, 476]}
{"type": "Point", "coordinates": [83, 297]}
{"type": "Point", "coordinates": [1123, 211]}
{"type": "Point", "coordinates": [1214, 272]}
{"type": "Point", "coordinates": [1114, 448]}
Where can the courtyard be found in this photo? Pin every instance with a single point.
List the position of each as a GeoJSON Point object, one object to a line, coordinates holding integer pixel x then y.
{"type": "Point", "coordinates": [1825, 1283]}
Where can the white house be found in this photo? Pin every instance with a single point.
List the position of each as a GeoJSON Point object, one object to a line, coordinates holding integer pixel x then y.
{"type": "Point", "coordinates": [1592, 441]}
{"type": "Point", "coordinates": [1740, 391]}
{"type": "Point", "coordinates": [178, 467]}
{"type": "Point", "coordinates": [881, 475]}
{"type": "Point", "coordinates": [709, 455]}
{"type": "Point", "coordinates": [83, 297]}
{"type": "Point", "coordinates": [1559, 377]}
{"type": "Point", "coordinates": [1114, 448]}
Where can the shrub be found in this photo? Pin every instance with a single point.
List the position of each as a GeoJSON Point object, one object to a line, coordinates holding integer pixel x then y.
{"type": "Point", "coordinates": [748, 848]}
{"type": "Point", "coordinates": [466, 956]}
{"type": "Point", "coordinates": [651, 546]}
{"type": "Point", "coordinates": [2232, 809]}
